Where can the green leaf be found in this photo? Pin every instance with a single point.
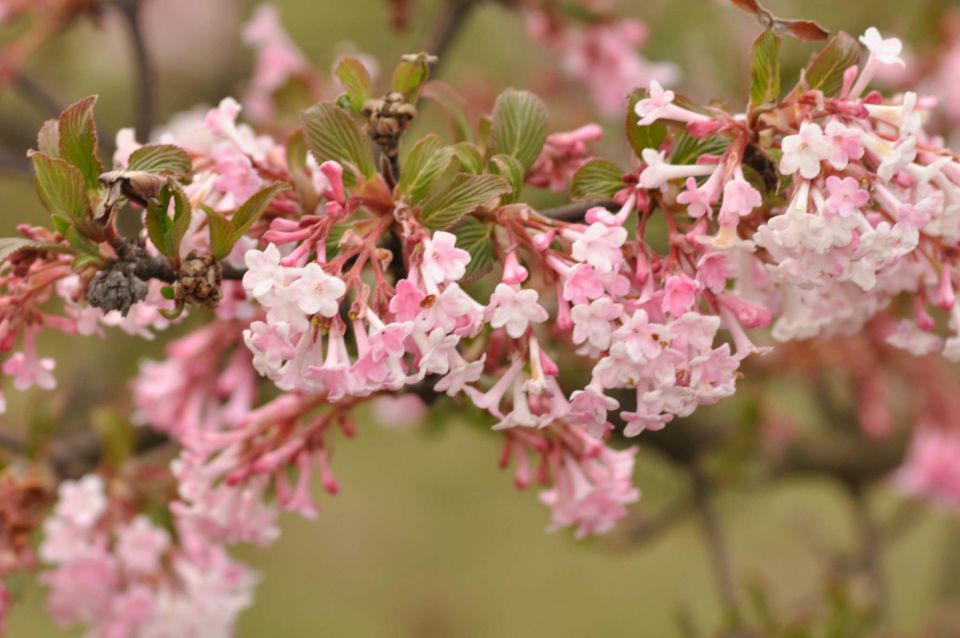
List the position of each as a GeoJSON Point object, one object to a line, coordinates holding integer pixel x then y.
{"type": "Point", "coordinates": [453, 105]}
{"type": "Point", "coordinates": [765, 74]}
{"type": "Point", "coordinates": [474, 237]}
{"type": "Point", "coordinates": [251, 209]}
{"type": "Point", "coordinates": [61, 188]}
{"type": "Point", "coordinates": [81, 243]}
{"type": "Point", "coordinates": [10, 245]}
{"type": "Point", "coordinates": [160, 159]}
{"type": "Point", "coordinates": [641, 137]}
{"type": "Point", "coordinates": [466, 192]}
{"type": "Point", "coordinates": [182, 214]}
{"type": "Point", "coordinates": [471, 159]}
{"type": "Point", "coordinates": [518, 127]}
{"type": "Point", "coordinates": [336, 234]}
{"type": "Point", "coordinates": [431, 162]}
{"type": "Point", "coordinates": [410, 75]}
{"type": "Point", "coordinates": [78, 140]}
{"type": "Point", "coordinates": [510, 168]}
{"type": "Point", "coordinates": [356, 81]}
{"type": "Point", "coordinates": [596, 178]}
{"type": "Point", "coordinates": [221, 233]}
{"type": "Point", "coordinates": [332, 134]}
{"type": "Point", "coordinates": [826, 68]}
{"type": "Point", "coordinates": [417, 159]}
{"type": "Point", "coordinates": [159, 224]}
{"type": "Point", "coordinates": [687, 149]}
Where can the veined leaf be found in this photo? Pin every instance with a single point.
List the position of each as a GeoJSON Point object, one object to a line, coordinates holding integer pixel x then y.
{"type": "Point", "coordinates": [221, 233]}
{"type": "Point", "coordinates": [417, 159]}
{"type": "Point", "coordinates": [474, 237]}
{"type": "Point", "coordinates": [48, 139]}
{"type": "Point", "coordinates": [596, 178]}
{"type": "Point", "coordinates": [10, 245]}
{"type": "Point", "coordinates": [471, 159]}
{"type": "Point", "coordinates": [411, 74]}
{"type": "Point", "coordinates": [453, 105]}
{"type": "Point", "coordinates": [356, 81]}
{"type": "Point", "coordinates": [518, 126]}
{"type": "Point", "coordinates": [332, 134]}
{"type": "Point", "coordinates": [78, 140]}
{"type": "Point", "coordinates": [688, 148]}
{"type": "Point", "coordinates": [509, 167]}
{"type": "Point", "coordinates": [765, 74]}
{"type": "Point", "coordinates": [251, 209]}
{"type": "Point", "coordinates": [826, 68]}
{"type": "Point", "coordinates": [159, 224]}
{"type": "Point", "coordinates": [646, 136]}
{"type": "Point", "coordinates": [160, 159]}
{"type": "Point", "coordinates": [465, 193]}
{"type": "Point", "coordinates": [61, 188]}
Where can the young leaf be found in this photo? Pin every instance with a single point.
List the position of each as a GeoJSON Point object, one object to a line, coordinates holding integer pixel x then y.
{"type": "Point", "coordinates": [688, 148]}
{"type": "Point", "coordinates": [356, 81]}
{"type": "Point", "coordinates": [825, 71]}
{"type": "Point", "coordinates": [332, 134]}
{"type": "Point", "coordinates": [411, 74]}
{"type": "Point", "coordinates": [160, 159]}
{"type": "Point", "coordinates": [596, 178]}
{"type": "Point", "coordinates": [471, 159]}
{"type": "Point", "coordinates": [765, 74]}
{"type": "Point", "coordinates": [78, 140]}
{"type": "Point", "coordinates": [466, 192]}
{"type": "Point", "coordinates": [79, 241]}
{"type": "Point", "coordinates": [509, 167]}
{"type": "Point", "coordinates": [417, 159]}
{"type": "Point", "coordinates": [159, 224]}
{"type": "Point", "coordinates": [641, 137]}
{"type": "Point", "coordinates": [518, 127]}
{"type": "Point", "coordinates": [221, 233]}
{"type": "Point", "coordinates": [61, 188]}
{"type": "Point", "coordinates": [251, 209]}
{"type": "Point", "coordinates": [182, 214]}
{"type": "Point", "coordinates": [474, 237]}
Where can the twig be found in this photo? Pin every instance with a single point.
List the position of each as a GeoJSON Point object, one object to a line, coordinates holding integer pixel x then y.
{"type": "Point", "coordinates": [78, 455]}
{"type": "Point", "coordinates": [12, 443]}
{"type": "Point", "coordinates": [638, 530]}
{"type": "Point", "coordinates": [14, 164]}
{"type": "Point", "coordinates": [145, 93]}
{"type": "Point", "coordinates": [870, 558]}
{"type": "Point", "coordinates": [446, 30]}
{"type": "Point", "coordinates": [576, 210]}
{"type": "Point", "coordinates": [38, 94]}
{"type": "Point", "coordinates": [717, 546]}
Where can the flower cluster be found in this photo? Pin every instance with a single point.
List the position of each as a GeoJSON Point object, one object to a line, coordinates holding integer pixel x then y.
{"type": "Point", "coordinates": [123, 576]}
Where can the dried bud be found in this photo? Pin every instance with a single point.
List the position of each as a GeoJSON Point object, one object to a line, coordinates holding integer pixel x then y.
{"type": "Point", "coordinates": [116, 287]}
{"type": "Point", "coordinates": [198, 281]}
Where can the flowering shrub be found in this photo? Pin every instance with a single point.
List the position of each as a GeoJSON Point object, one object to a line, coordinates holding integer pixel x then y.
{"type": "Point", "coordinates": [323, 269]}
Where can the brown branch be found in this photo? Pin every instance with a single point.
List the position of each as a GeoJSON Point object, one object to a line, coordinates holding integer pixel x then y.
{"type": "Point", "coordinates": [80, 454]}
{"type": "Point", "coordinates": [145, 92]}
{"type": "Point", "coordinates": [446, 30]}
{"type": "Point", "coordinates": [870, 553]}
{"type": "Point", "coordinates": [35, 92]}
{"type": "Point", "coordinates": [576, 210]}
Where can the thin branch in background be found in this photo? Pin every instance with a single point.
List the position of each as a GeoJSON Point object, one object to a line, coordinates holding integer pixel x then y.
{"type": "Point", "coordinates": [12, 443]}
{"type": "Point", "coordinates": [719, 553]}
{"type": "Point", "coordinates": [870, 553]}
{"type": "Point", "coordinates": [576, 210]}
{"type": "Point", "coordinates": [38, 94]}
{"type": "Point", "coordinates": [444, 33]}
{"type": "Point", "coordinates": [145, 92]}
{"type": "Point", "coordinates": [15, 164]}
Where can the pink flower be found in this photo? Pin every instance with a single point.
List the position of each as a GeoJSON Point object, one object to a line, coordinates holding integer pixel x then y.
{"type": "Point", "coordinates": [515, 309]}
{"type": "Point", "coordinates": [932, 467]}
{"type": "Point", "coordinates": [562, 155]}
{"type": "Point", "coordinates": [739, 200]}
{"type": "Point", "coordinates": [679, 294]}
{"type": "Point", "coordinates": [592, 323]}
{"type": "Point", "coordinates": [442, 260]}
{"type": "Point", "coordinates": [884, 50]}
{"type": "Point", "coordinates": [658, 171]}
{"type": "Point", "coordinates": [804, 151]}
{"type": "Point", "coordinates": [140, 545]}
{"type": "Point", "coordinates": [846, 196]}
{"type": "Point", "coordinates": [599, 245]}
{"type": "Point", "coordinates": [28, 371]}
{"type": "Point", "coordinates": [317, 291]}
{"type": "Point", "coordinates": [82, 502]}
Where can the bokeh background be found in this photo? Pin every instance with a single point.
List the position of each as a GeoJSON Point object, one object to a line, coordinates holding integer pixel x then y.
{"type": "Point", "coordinates": [429, 538]}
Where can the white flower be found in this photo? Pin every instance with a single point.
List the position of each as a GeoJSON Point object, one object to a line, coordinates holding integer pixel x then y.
{"type": "Point", "coordinates": [264, 271]}
{"type": "Point", "coordinates": [317, 291]}
{"type": "Point", "coordinates": [593, 323]}
{"type": "Point", "coordinates": [804, 151]}
{"type": "Point", "coordinates": [442, 260]}
{"type": "Point", "coordinates": [515, 309]}
{"type": "Point", "coordinates": [883, 50]}
{"type": "Point", "coordinates": [82, 502]}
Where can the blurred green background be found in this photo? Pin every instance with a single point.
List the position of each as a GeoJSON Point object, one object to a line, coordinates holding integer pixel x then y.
{"type": "Point", "coordinates": [428, 537]}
